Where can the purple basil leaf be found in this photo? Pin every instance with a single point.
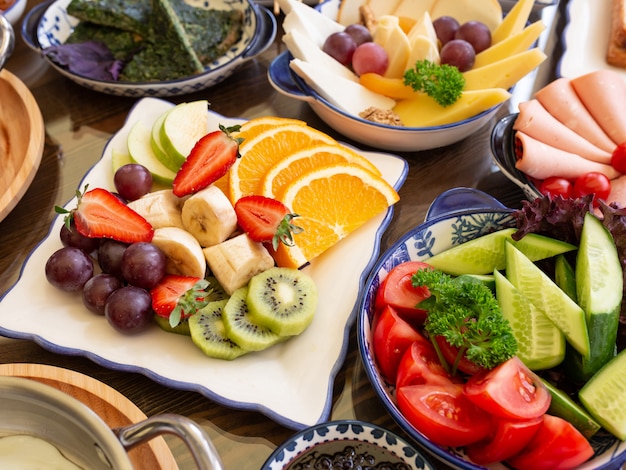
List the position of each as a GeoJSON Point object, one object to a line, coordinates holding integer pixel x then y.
{"type": "Point", "coordinates": [89, 59]}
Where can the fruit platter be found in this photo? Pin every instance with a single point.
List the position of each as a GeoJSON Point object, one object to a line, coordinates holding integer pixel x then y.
{"type": "Point", "coordinates": [60, 322]}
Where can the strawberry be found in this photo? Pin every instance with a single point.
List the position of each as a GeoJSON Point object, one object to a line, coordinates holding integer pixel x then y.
{"type": "Point", "coordinates": [177, 297]}
{"type": "Point", "coordinates": [101, 214]}
{"type": "Point", "coordinates": [266, 220]}
{"type": "Point", "coordinates": [209, 160]}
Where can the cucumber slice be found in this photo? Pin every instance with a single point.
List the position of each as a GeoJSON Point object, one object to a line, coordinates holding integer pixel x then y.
{"type": "Point", "coordinates": [599, 287]}
{"type": "Point", "coordinates": [487, 279]}
{"type": "Point", "coordinates": [485, 254]}
{"type": "Point", "coordinates": [183, 126]}
{"type": "Point", "coordinates": [605, 394]}
{"type": "Point", "coordinates": [564, 407]}
{"type": "Point", "coordinates": [548, 298]}
{"type": "Point", "coordinates": [540, 344]}
{"type": "Point", "coordinates": [565, 277]}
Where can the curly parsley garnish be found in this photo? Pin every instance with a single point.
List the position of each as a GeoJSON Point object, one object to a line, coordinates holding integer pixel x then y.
{"type": "Point", "coordinates": [444, 83]}
{"type": "Point", "coordinates": [465, 312]}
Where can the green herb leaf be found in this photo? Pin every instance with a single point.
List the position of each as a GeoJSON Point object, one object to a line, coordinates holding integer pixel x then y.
{"type": "Point", "coordinates": [444, 83]}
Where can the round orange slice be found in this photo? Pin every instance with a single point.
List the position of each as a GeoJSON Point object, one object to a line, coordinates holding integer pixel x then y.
{"type": "Point", "coordinates": [254, 127]}
{"type": "Point", "coordinates": [293, 166]}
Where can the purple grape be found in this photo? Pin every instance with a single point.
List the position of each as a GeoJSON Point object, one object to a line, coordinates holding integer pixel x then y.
{"type": "Point", "coordinates": [340, 46]}
{"type": "Point", "coordinates": [97, 289]}
{"type": "Point", "coordinates": [72, 237]}
{"type": "Point", "coordinates": [129, 309]}
{"type": "Point", "coordinates": [359, 33]}
{"type": "Point", "coordinates": [69, 268]}
{"type": "Point", "coordinates": [110, 256]}
{"type": "Point", "coordinates": [143, 265]}
{"type": "Point", "coordinates": [445, 28]}
{"type": "Point", "coordinates": [459, 53]}
{"type": "Point", "coordinates": [476, 33]}
{"type": "Point", "coordinates": [132, 181]}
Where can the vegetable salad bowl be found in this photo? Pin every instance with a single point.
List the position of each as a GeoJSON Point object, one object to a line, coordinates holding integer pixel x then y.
{"type": "Point", "coordinates": [456, 216]}
{"type": "Point", "coordinates": [49, 24]}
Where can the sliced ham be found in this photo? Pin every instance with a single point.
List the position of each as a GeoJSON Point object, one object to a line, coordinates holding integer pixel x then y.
{"type": "Point", "coordinates": [603, 92]}
{"type": "Point", "coordinates": [560, 99]}
{"type": "Point", "coordinates": [618, 191]}
{"type": "Point", "coordinates": [539, 160]}
{"type": "Point", "coordinates": [535, 120]}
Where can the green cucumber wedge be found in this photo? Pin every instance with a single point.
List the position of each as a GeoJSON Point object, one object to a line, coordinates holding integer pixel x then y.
{"type": "Point", "coordinates": [565, 276]}
{"type": "Point", "coordinates": [183, 126]}
{"type": "Point", "coordinates": [539, 289]}
{"type": "Point", "coordinates": [564, 407]}
{"type": "Point", "coordinates": [599, 288]}
{"type": "Point", "coordinates": [485, 254]}
{"type": "Point", "coordinates": [604, 396]}
{"type": "Point", "coordinates": [540, 344]}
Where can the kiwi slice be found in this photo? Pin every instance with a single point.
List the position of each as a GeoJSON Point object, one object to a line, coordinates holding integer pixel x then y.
{"type": "Point", "coordinates": [208, 333]}
{"type": "Point", "coordinates": [283, 300]}
{"type": "Point", "coordinates": [164, 323]}
{"type": "Point", "coordinates": [241, 329]}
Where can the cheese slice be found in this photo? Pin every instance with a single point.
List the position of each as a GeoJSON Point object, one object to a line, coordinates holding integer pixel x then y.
{"type": "Point", "coordinates": [393, 39]}
{"type": "Point", "coordinates": [349, 12]}
{"type": "Point", "coordinates": [511, 45]}
{"type": "Point", "coordinates": [424, 111]}
{"type": "Point", "coordinates": [382, 8]}
{"type": "Point", "coordinates": [423, 27]}
{"type": "Point", "coordinates": [309, 21]}
{"type": "Point", "coordinates": [347, 95]}
{"type": "Point", "coordinates": [513, 22]}
{"type": "Point", "coordinates": [504, 73]}
{"type": "Point", "coordinates": [422, 48]}
{"type": "Point", "coordinates": [414, 9]}
{"type": "Point", "coordinates": [488, 12]}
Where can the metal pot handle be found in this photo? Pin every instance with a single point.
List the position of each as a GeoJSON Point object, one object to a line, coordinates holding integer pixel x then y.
{"type": "Point", "coordinates": [202, 449]}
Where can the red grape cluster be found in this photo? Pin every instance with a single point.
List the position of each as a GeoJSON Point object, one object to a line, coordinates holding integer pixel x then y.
{"type": "Point", "coordinates": [461, 42]}
{"type": "Point", "coordinates": [119, 289]}
{"type": "Point", "coordinates": [354, 47]}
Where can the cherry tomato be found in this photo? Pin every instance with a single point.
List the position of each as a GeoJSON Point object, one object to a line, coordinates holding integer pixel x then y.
{"type": "Point", "coordinates": [443, 414]}
{"type": "Point", "coordinates": [509, 438]}
{"type": "Point", "coordinates": [618, 158]}
{"type": "Point", "coordinates": [451, 355]}
{"type": "Point", "coordinates": [556, 445]}
{"type": "Point", "coordinates": [593, 183]}
{"type": "Point", "coordinates": [421, 365]}
{"type": "Point", "coordinates": [556, 186]}
{"type": "Point", "coordinates": [509, 390]}
{"type": "Point", "coordinates": [397, 290]}
{"type": "Point", "coordinates": [392, 337]}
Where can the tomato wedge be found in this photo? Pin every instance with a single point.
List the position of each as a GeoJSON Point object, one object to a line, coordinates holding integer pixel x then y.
{"type": "Point", "coordinates": [557, 445]}
{"type": "Point", "coordinates": [443, 414]}
{"type": "Point", "coordinates": [392, 336]}
{"type": "Point", "coordinates": [451, 355]}
{"type": "Point", "coordinates": [509, 390]}
{"type": "Point", "coordinates": [509, 438]}
{"type": "Point", "coordinates": [397, 290]}
{"type": "Point", "coordinates": [421, 365]}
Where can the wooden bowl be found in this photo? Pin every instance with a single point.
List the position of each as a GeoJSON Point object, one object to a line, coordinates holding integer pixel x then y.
{"type": "Point", "coordinates": [22, 136]}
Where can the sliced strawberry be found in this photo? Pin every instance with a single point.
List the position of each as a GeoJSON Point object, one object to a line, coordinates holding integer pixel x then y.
{"type": "Point", "coordinates": [266, 220]}
{"type": "Point", "coordinates": [101, 214]}
{"type": "Point", "coordinates": [208, 161]}
{"type": "Point", "coordinates": [177, 297]}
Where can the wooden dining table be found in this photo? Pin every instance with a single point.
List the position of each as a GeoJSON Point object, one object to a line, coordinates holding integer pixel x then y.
{"type": "Point", "coordinates": [79, 122]}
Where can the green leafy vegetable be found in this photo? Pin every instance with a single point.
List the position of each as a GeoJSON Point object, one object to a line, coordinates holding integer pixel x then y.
{"type": "Point", "coordinates": [465, 312]}
{"type": "Point", "coordinates": [444, 83]}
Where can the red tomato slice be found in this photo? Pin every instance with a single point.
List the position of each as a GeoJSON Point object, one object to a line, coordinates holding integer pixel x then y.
{"type": "Point", "coordinates": [557, 445]}
{"type": "Point", "coordinates": [509, 438]}
{"type": "Point", "coordinates": [618, 158]}
{"type": "Point", "coordinates": [391, 338]}
{"type": "Point", "coordinates": [451, 355]}
{"type": "Point", "coordinates": [397, 290]}
{"type": "Point", "coordinates": [421, 365]}
{"type": "Point", "coordinates": [443, 414]}
{"type": "Point", "coordinates": [510, 390]}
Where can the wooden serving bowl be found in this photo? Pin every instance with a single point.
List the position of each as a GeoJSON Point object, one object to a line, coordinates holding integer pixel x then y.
{"type": "Point", "coordinates": [22, 137]}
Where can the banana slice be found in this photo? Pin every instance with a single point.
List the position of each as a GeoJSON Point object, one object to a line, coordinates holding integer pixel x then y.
{"type": "Point", "coordinates": [209, 216]}
{"type": "Point", "coordinates": [184, 253]}
{"type": "Point", "coordinates": [234, 261]}
{"type": "Point", "coordinates": [160, 208]}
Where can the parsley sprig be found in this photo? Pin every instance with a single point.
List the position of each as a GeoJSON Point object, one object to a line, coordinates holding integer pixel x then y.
{"type": "Point", "coordinates": [444, 83]}
{"type": "Point", "coordinates": [465, 312]}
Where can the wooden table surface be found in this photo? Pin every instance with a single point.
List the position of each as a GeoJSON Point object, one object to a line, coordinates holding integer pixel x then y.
{"type": "Point", "coordinates": [79, 122]}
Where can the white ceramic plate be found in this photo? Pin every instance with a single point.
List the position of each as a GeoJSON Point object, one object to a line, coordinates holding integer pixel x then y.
{"type": "Point", "coordinates": [291, 383]}
{"type": "Point", "coordinates": [586, 38]}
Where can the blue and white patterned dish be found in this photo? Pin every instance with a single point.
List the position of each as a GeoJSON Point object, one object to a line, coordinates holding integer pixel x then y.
{"type": "Point", "coordinates": [49, 24]}
{"type": "Point", "coordinates": [456, 216]}
{"type": "Point", "coordinates": [317, 436]}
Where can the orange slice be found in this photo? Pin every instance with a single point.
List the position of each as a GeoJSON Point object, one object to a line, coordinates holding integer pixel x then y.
{"type": "Point", "coordinates": [331, 201]}
{"type": "Point", "coordinates": [254, 127]}
{"type": "Point", "coordinates": [260, 153]}
{"type": "Point", "coordinates": [293, 166]}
